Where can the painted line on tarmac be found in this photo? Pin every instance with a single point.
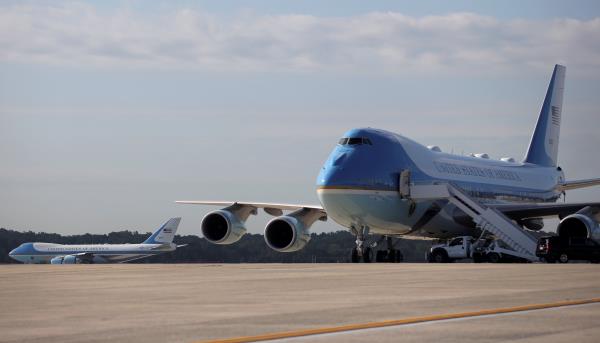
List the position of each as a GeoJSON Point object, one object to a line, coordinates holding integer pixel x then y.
{"type": "Point", "coordinates": [398, 322]}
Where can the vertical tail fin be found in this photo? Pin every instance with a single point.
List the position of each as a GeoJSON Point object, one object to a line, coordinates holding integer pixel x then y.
{"type": "Point", "coordinates": [543, 148]}
{"type": "Point", "coordinates": [165, 233]}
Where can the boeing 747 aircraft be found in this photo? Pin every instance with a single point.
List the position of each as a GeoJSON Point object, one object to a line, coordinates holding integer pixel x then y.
{"type": "Point", "coordinates": [382, 183]}
{"type": "Point", "coordinates": [159, 242]}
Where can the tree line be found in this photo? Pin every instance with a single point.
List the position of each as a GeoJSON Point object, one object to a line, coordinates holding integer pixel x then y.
{"type": "Point", "coordinates": [329, 247]}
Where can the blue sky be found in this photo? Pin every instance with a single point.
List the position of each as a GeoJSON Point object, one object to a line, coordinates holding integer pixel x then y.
{"type": "Point", "coordinates": [109, 111]}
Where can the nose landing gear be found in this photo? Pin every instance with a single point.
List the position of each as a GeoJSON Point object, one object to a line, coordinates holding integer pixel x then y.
{"type": "Point", "coordinates": [361, 251]}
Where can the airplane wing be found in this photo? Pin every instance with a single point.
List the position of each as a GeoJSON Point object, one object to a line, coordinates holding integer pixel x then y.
{"type": "Point", "coordinates": [274, 209]}
{"type": "Point", "coordinates": [536, 210]}
{"type": "Point", "coordinates": [567, 185]}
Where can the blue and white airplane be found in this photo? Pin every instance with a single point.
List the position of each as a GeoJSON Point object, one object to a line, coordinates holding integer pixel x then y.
{"type": "Point", "coordinates": [161, 241]}
{"type": "Point", "coordinates": [365, 185]}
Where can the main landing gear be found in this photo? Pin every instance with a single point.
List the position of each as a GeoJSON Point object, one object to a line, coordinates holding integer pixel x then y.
{"type": "Point", "coordinates": [365, 252]}
{"type": "Point", "coordinates": [390, 254]}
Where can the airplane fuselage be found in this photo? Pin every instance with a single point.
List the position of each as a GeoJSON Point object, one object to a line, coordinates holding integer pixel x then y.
{"type": "Point", "coordinates": [39, 253]}
{"type": "Point", "coordinates": [358, 185]}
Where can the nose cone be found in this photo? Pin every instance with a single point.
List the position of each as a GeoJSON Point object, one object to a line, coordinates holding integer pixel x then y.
{"type": "Point", "coordinates": [14, 254]}
{"type": "Point", "coordinates": [16, 251]}
{"type": "Point", "coordinates": [363, 159]}
{"type": "Point", "coordinates": [332, 172]}
{"type": "Point", "coordinates": [19, 251]}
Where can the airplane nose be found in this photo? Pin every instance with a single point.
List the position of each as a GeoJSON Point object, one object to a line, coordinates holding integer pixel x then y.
{"type": "Point", "coordinates": [326, 176]}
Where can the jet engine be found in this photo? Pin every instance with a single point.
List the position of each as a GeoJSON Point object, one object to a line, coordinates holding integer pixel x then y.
{"type": "Point", "coordinates": [584, 223]}
{"type": "Point", "coordinates": [226, 226]}
{"type": "Point", "coordinates": [68, 259]}
{"type": "Point", "coordinates": [290, 232]}
{"type": "Point", "coordinates": [533, 224]}
{"type": "Point", "coordinates": [57, 260]}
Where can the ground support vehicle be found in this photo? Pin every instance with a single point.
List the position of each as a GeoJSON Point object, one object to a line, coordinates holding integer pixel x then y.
{"type": "Point", "coordinates": [564, 249]}
{"type": "Point", "coordinates": [486, 249]}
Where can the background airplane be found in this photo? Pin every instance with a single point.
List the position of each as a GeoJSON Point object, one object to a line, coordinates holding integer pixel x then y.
{"type": "Point", "coordinates": [379, 182]}
{"type": "Point", "coordinates": [161, 241]}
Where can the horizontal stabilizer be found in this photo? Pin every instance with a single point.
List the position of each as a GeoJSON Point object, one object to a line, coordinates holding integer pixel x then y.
{"type": "Point", "coordinates": [578, 184]}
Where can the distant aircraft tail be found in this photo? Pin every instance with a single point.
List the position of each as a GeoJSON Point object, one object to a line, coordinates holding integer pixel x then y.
{"type": "Point", "coordinates": [165, 233]}
{"type": "Point", "coordinates": [543, 148]}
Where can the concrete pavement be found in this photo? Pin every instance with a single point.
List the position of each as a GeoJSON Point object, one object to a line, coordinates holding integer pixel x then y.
{"type": "Point", "coordinates": [192, 302]}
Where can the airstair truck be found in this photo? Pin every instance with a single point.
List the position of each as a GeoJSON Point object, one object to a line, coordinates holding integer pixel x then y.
{"type": "Point", "coordinates": [466, 247]}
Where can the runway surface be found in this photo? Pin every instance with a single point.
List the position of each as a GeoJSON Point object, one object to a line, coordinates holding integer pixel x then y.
{"type": "Point", "coordinates": [196, 302]}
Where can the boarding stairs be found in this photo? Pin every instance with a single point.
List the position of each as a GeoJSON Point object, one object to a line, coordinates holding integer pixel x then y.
{"type": "Point", "coordinates": [486, 218]}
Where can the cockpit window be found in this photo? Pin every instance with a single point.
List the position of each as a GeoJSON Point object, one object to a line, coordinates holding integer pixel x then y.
{"type": "Point", "coordinates": [354, 141]}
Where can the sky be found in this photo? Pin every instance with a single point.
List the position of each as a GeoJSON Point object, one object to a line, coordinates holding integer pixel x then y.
{"type": "Point", "coordinates": [112, 110]}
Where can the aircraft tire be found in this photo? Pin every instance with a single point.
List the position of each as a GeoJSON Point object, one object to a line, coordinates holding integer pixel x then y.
{"type": "Point", "coordinates": [398, 257]}
{"type": "Point", "coordinates": [367, 255]}
{"type": "Point", "coordinates": [354, 256]}
{"type": "Point", "coordinates": [381, 256]}
{"type": "Point", "coordinates": [493, 257]}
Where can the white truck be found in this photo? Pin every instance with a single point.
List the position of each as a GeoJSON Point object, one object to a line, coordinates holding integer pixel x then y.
{"type": "Point", "coordinates": [464, 247]}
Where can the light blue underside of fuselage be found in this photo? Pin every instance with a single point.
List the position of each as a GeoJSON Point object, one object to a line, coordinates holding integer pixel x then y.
{"type": "Point", "coordinates": [357, 186]}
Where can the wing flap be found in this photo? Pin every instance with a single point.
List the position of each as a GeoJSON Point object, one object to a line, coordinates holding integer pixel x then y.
{"type": "Point", "coordinates": [265, 205]}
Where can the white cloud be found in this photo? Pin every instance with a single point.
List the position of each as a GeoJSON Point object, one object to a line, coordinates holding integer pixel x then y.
{"type": "Point", "coordinates": [80, 34]}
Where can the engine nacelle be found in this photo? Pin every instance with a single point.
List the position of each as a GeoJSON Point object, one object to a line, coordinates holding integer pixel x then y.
{"type": "Point", "coordinates": [226, 226]}
{"type": "Point", "coordinates": [57, 260]}
{"type": "Point", "coordinates": [584, 223]}
{"type": "Point", "coordinates": [533, 224]}
{"type": "Point", "coordinates": [68, 259]}
{"type": "Point", "coordinates": [290, 233]}
{"type": "Point", "coordinates": [286, 234]}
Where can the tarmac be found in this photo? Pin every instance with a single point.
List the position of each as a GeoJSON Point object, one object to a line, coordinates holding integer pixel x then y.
{"type": "Point", "coordinates": [198, 302]}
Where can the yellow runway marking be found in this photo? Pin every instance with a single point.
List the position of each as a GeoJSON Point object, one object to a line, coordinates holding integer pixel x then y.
{"type": "Point", "coordinates": [405, 321]}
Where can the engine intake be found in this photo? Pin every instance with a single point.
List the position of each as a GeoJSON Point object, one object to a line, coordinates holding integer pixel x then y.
{"type": "Point", "coordinates": [226, 226]}
{"type": "Point", "coordinates": [584, 224]}
{"type": "Point", "coordinates": [286, 234]}
{"type": "Point", "coordinates": [291, 232]}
